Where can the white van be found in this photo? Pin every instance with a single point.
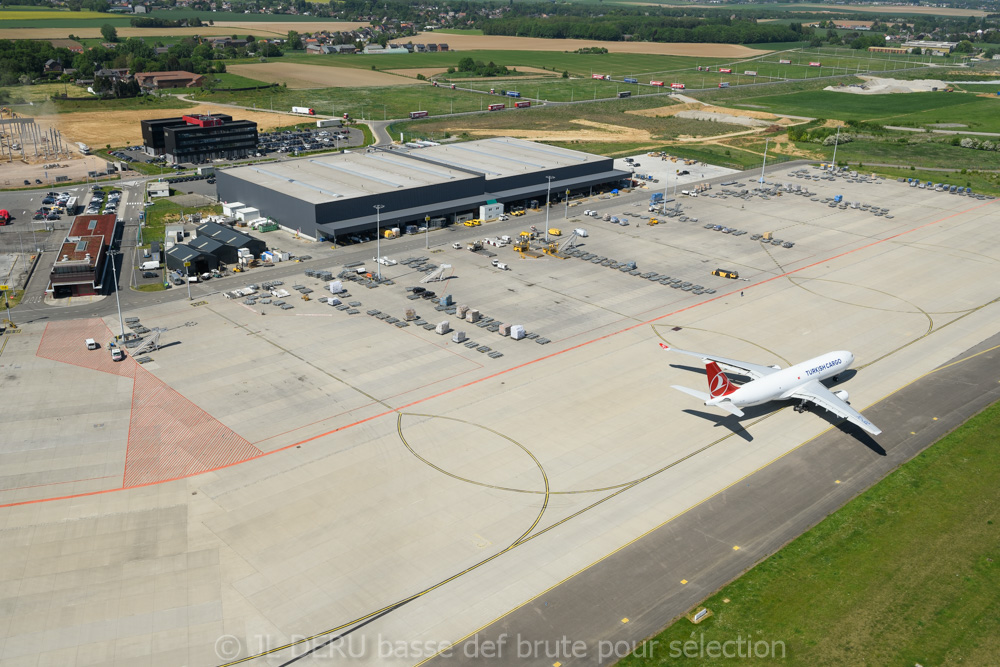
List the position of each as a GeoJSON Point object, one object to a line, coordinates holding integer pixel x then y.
{"type": "Point", "coordinates": [92, 344]}
{"type": "Point", "coordinates": [580, 231]}
{"type": "Point", "coordinates": [151, 265]}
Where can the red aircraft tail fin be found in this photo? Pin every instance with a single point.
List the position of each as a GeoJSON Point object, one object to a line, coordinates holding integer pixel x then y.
{"type": "Point", "coordinates": [718, 383]}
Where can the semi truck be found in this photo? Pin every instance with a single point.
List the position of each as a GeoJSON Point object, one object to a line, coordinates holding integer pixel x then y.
{"type": "Point", "coordinates": [630, 79]}
{"type": "Point", "coordinates": [418, 114]}
{"type": "Point", "coordinates": [304, 110]}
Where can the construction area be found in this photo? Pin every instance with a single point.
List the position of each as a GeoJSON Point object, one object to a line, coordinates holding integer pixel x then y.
{"type": "Point", "coordinates": [405, 444]}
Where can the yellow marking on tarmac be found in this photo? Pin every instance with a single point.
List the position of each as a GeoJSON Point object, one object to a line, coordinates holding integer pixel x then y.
{"type": "Point", "coordinates": [934, 418]}
{"type": "Point", "coordinates": [736, 548]}
{"type": "Point", "coordinates": [556, 664]}
{"type": "Point", "coordinates": [836, 481]}
{"type": "Point", "coordinates": [684, 581]}
{"type": "Point", "coordinates": [913, 432]}
{"type": "Point", "coordinates": [625, 620]}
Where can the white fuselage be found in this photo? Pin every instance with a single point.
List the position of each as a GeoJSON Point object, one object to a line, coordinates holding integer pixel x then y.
{"type": "Point", "coordinates": [783, 383]}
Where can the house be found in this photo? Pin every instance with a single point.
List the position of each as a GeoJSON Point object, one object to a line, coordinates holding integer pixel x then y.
{"type": "Point", "coordinates": [346, 48]}
{"type": "Point", "coordinates": [115, 74]}
{"type": "Point", "coordinates": [442, 47]}
{"type": "Point", "coordinates": [321, 49]}
{"type": "Point", "coordinates": [138, 9]}
{"type": "Point", "coordinates": [161, 50]}
{"type": "Point", "coordinates": [420, 48]}
{"type": "Point", "coordinates": [162, 80]}
{"type": "Point", "coordinates": [432, 48]}
{"type": "Point", "coordinates": [53, 66]}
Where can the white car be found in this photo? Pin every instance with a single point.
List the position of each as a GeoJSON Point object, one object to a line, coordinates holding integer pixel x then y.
{"type": "Point", "coordinates": [385, 261]}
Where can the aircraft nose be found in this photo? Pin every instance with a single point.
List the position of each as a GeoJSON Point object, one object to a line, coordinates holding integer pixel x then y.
{"type": "Point", "coordinates": [849, 358]}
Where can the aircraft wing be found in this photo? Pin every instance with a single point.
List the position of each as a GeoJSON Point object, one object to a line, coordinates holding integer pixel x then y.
{"type": "Point", "coordinates": [814, 392]}
{"type": "Point", "coordinates": [754, 371]}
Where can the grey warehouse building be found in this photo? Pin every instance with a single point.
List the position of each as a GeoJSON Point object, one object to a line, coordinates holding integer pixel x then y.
{"type": "Point", "coordinates": [329, 195]}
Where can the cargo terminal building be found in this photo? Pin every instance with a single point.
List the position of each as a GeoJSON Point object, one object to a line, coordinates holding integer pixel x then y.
{"type": "Point", "coordinates": [329, 195]}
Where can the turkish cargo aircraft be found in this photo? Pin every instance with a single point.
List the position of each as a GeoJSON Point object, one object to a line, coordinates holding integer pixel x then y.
{"type": "Point", "coordinates": [801, 382]}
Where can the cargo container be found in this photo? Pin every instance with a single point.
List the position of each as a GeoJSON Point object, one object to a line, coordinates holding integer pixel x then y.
{"type": "Point", "coordinates": [815, 64]}
{"type": "Point", "coordinates": [418, 114]}
{"type": "Point", "coordinates": [656, 83]}
{"type": "Point", "coordinates": [630, 79]}
{"type": "Point", "coordinates": [523, 104]}
{"type": "Point", "coordinates": [724, 84]}
{"type": "Point", "coordinates": [597, 76]}
{"type": "Point", "coordinates": [303, 110]}
{"type": "Point", "coordinates": [677, 86]}
{"type": "Point", "coordinates": [726, 70]}
{"type": "Point", "coordinates": [513, 93]}
{"type": "Point", "coordinates": [330, 122]}
{"type": "Point", "coordinates": [750, 72]}
{"type": "Point", "coordinates": [624, 93]}
{"type": "Point", "coordinates": [784, 62]}
{"type": "Point", "coordinates": [496, 107]}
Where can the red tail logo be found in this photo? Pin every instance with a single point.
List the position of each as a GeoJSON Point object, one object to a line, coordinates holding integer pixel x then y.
{"type": "Point", "coordinates": [718, 383]}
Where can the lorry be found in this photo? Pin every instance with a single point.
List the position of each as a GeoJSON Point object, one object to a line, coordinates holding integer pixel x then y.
{"type": "Point", "coordinates": [500, 265]}
{"type": "Point", "coordinates": [725, 273]}
{"type": "Point", "coordinates": [581, 232]}
{"type": "Point", "coordinates": [151, 265]}
{"type": "Point", "coordinates": [655, 198]}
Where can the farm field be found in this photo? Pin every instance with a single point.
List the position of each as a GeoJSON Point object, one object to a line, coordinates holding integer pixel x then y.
{"type": "Point", "coordinates": [370, 102]}
{"type": "Point", "coordinates": [466, 42]}
{"type": "Point", "coordinates": [61, 28]}
{"type": "Point", "coordinates": [577, 64]}
{"type": "Point", "coordinates": [303, 76]}
{"type": "Point", "coordinates": [981, 114]}
{"type": "Point", "coordinates": [841, 9]}
{"type": "Point", "coordinates": [903, 574]}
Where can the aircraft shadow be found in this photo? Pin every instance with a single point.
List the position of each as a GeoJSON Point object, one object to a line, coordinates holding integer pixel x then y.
{"type": "Point", "coordinates": [731, 422]}
{"type": "Point", "coordinates": [850, 429]}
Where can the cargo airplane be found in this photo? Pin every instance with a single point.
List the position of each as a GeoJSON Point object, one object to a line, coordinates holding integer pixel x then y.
{"type": "Point", "coordinates": [801, 382]}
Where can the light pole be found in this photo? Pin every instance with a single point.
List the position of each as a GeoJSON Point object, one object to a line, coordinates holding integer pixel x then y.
{"type": "Point", "coordinates": [378, 239]}
{"type": "Point", "coordinates": [548, 188]}
{"type": "Point", "coordinates": [766, 141]}
{"type": "Point", "coordinates": [427, 229]}
{"type": "Point", "coordinates": [835, 143]}
{"type": "Point", "coordinates": [187, 270]}
{"type": "Point", "coordinates": [114, 272]}
{"type": "Point", "coordinates": [566, 211]}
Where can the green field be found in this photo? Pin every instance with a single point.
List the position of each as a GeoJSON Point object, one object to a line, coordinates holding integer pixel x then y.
{"type": "Point", "coordinates": [618, 65]}
{"type": "Point", "coordinates": [981, 114]}
{"type": "Point", "coordinates": [163, 213]}
{"type": "Point", "coordinates": [126, 104]}
{"type": "Point", "coordinates": [903, 574]}
{"type": "Point", "coordinates": [554, 120]}
{"type": "Point", "coordinates": [228, 80]}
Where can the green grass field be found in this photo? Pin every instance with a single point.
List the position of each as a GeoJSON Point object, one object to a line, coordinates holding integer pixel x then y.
{"type": "Point", "coordinates": [903, 574]}
{"type": "Point", "coordinates": [127, 104]}
{"type": "Point", "coordinates": [228, 80]}
{"type": "Point", "coordinates": [577, 64]}
{"type": "Point", "coordinates": [163, 213]}
{"type": "Point", "coordinates": [913, 109]}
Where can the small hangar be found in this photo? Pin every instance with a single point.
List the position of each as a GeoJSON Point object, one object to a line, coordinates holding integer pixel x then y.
{"type": "Point", "coordinates": [326, 195]}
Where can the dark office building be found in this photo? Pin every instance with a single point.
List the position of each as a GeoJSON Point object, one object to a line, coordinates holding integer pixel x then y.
{"type": "Point", "coordinates": [200, 138]}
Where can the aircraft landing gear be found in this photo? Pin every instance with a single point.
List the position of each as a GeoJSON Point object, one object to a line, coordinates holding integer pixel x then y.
{"type": "Point", "coordinates": [836, 378]}
{"type": "Point", "coordinates": [801, 407]}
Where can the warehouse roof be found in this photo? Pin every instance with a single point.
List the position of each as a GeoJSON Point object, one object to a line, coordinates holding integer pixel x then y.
{"type": "Point", "coordinates": [205, 244]}
{"type": "Point", "coordinates": [224, 234]}
{"type": "Point", "coordinates": [337, 176]}
{"type": "Point", "coordinates": [500, 157]}
{"type": "Point", "coordinates": [340, 176]}
{"type": "Point", "coordinates": [184, 253]}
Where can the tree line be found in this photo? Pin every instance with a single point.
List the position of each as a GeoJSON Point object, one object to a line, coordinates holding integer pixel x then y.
{"type": "Point", "coordinates": [646, 29]}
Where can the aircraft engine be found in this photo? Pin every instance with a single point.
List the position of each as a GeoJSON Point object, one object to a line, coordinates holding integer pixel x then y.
{"type": "Point", "coordinates": [842, 395]}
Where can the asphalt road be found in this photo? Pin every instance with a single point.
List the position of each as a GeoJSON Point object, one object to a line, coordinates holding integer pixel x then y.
{"type": "Point", "coordinates": [759, 514]}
